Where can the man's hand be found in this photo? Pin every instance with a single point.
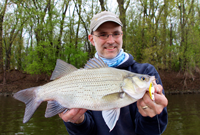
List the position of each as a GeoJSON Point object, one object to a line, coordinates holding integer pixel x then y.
{"type": "Point", "coordinates": [73, 115]}
{"type": "Point", "coordinates": [147, 107]}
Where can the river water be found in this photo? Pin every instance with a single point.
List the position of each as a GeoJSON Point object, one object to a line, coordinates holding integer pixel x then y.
{"type": "Point", "coordinates": [183, 111]}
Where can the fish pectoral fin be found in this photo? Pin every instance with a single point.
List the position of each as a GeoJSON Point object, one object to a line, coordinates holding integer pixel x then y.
{"type": "Point", "coordinates": [53, 108]}
{"type": "Point", "coordinates": [112, 97]}
{"type": "Point", "coordinates": [111, 117]}
{"type": "Point", "coordinates": [62, 68]}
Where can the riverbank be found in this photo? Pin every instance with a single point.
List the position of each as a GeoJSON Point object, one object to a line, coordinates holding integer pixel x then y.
{"type": "Point", "coordinates": [173, 82]}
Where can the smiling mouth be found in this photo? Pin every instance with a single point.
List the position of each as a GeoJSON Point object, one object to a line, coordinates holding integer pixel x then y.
{"type": "Point", "coordinates": [110, 47]}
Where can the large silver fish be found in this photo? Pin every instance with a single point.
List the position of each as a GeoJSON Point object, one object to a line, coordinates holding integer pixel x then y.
{"type": "Point", "coordinates": [96, 87]}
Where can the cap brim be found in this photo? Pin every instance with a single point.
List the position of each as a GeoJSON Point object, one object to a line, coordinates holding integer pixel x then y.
{"type": "Point", "coordinates": [103, 21]}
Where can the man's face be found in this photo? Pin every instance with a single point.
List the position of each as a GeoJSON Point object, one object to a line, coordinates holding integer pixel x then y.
{"type": "Point", "coordinates": [110, 47]}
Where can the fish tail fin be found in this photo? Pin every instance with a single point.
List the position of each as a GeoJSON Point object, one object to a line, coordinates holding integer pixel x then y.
{"type": "Point", "coordinates": [28, 96]}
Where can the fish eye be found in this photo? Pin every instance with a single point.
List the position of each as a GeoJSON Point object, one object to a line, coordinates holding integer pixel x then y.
{"type": "Point", "coordinates": [142, 78]}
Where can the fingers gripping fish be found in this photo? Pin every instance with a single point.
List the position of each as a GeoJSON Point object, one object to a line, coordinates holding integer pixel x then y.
{"type": "Point", "coordinates": [96, 87]}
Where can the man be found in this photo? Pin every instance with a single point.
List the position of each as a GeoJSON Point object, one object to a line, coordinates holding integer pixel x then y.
{"type": "Point", "coordinates": [142, 117]}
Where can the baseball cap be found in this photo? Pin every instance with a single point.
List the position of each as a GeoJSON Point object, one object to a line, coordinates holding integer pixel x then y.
{"type": "Point", "coordinates": [103, 17]}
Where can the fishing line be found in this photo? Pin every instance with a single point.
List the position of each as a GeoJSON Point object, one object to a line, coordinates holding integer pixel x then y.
{"type": "Point", "coordinates": [158, 124]}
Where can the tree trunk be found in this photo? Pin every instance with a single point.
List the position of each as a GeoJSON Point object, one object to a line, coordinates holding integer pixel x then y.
{"type": "Point", "coordinates": [8, 55]}
{"type": "Point", "coordinates": [58, 46]}
{"type": "Point", "coordinates": [122, 17]}
{"type": "Point", "coordinates": [1, 43]}
{"type": "Point", "coordinates": [102, 5]}
{"type": "Point", "coordinates": [143, 43]}
{"type": "Point", "coordinates": [77, 33]}
{"type": "Point", "coordinates": [4, 77]}
{"type": "Point", "coordinates": [19, 51]}
{"type": "Point", "coordinates": [2, 13]}
{"type": "Point", "coordinates": [182, 34]}
{"type": "Point", "coordinates": [89, 49]}
{"type": "Point", "coordinates": [170, 44]}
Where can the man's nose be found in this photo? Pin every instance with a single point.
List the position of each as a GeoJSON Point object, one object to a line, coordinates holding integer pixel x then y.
{"type": "Point", "coordinates": [110, 39]}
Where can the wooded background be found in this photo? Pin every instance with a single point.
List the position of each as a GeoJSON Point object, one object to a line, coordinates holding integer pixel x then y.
{"type": "Point", "coordinates": [33, 34]}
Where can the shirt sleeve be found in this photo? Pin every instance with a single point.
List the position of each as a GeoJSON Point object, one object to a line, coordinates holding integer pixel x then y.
{"type": "Point", "coordinates": [87, 127]}
{"type": "Point", "coordinates": [157, 124]}
{"type": "Point", "coordinates": [153, 126]}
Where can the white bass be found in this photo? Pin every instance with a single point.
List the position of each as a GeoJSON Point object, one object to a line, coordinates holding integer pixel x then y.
{"type": "Point", "coordinates": [97, 87]}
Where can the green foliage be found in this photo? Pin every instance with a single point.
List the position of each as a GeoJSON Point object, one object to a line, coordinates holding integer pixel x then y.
{"type": "Point", "coordinates": [75, 55]}
{"type": "Point", "coordinates": [160, 33]}
{"type": "Point", "coordinates": [37, 65]}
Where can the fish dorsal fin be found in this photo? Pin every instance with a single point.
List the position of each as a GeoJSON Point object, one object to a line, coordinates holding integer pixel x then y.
{"type": "Point", "coordinates": [62, 68]}
{"type": "Point", "coordinates": [95, 63]}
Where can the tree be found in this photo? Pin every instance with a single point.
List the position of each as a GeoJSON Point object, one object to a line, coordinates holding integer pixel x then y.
{"type": "Point", "coordinates": [122, 10]}
{"type": "Point", "coordinates": [12, 31]}
{"type": "Point", "coordinates": [2, 14]}
{"type": "Point", "coordinates": [63, 10]}
{"type": "Point", "coordinates": [36, 33]}
{"type": "Point", "coordinates": [102, 3]}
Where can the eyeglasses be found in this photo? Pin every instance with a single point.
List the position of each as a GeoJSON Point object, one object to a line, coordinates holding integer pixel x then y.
{"type": "Point", "coordinates": [105, 36]}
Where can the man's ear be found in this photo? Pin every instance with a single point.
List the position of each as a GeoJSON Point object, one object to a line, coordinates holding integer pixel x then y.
{"type": "Point", "coordinates": [90, 37]}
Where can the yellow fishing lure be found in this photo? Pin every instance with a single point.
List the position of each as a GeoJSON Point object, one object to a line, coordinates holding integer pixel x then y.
{"type": "Point", "coordinates": [151, 91]}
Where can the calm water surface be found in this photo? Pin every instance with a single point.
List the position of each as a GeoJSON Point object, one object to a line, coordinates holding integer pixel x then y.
{"type": "Point", "coordinates": [183, 110]}
{"type": "Point", "coordinates": [11, 117]}
{"type": "Point", "coordinates": [184, 115]}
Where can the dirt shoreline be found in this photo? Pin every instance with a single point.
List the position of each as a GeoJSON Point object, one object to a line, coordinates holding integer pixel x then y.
{"type": "Point", "coordinates": [173, 82]}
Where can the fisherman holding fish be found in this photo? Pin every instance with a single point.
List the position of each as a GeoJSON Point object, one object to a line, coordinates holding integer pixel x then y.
{"type": "Point", "coordinates": [111, 95]}
{"type": "Point", "coordinates": [144, 117]}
